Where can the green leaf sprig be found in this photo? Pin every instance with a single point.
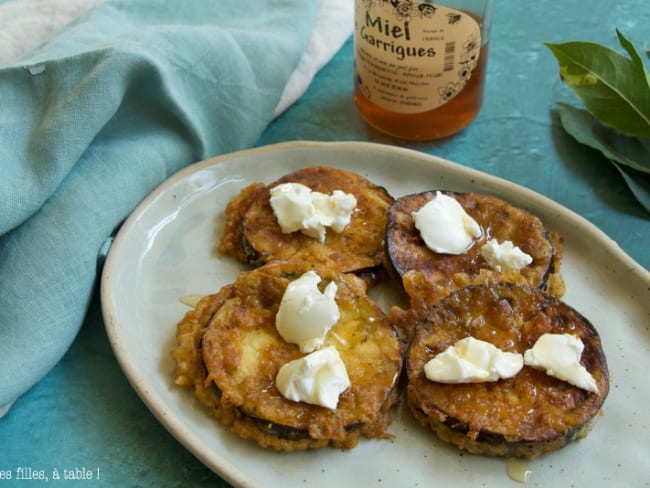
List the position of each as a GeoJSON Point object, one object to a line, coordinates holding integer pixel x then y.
{"type": "Point", "coordinates": [615, 92]}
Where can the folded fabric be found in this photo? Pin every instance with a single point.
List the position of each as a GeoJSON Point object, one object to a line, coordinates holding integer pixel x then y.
{"type": "Point", "coordinates": [97, 117]}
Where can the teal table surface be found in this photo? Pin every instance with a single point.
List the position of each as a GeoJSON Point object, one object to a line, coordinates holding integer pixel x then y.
{"type": "Point", "coordinates": [85, 418]}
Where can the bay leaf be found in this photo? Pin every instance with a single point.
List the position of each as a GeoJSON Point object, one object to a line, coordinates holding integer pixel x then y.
{"type": "Point", "coordinates": [634, 55]}
{"type": "Point", "coordinates": [585, 128]}
{"type": "Point", "coordinates": [611, 86]}
{"type": "Point", "coordinates": [638, 183]}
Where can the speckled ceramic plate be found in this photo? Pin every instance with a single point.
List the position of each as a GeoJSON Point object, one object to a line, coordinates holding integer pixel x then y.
{"type": "Point", "coordinates": [165, 251]}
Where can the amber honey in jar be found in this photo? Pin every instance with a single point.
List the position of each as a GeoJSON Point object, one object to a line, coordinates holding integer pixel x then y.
{"type": "Point", "coordinates": [420, 66]}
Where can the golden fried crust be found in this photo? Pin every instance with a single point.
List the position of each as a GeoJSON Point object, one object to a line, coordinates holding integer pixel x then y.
{"type": "Point", "coordinates": [190, 370]}
{"type": "Point", "coordinates": [499, 220]}
{"type": "Point", "coordinates": [526, 415]}
{"type": "Point", "coordinates": [254, 235]}
{"type": "Point", "coordinates": [242, 352]}
{"type": "Point", "coordinates": [232, 243]}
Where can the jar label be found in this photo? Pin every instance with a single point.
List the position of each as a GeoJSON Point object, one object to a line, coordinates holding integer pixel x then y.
{"type": "Point", "coordinates": [413, 56]}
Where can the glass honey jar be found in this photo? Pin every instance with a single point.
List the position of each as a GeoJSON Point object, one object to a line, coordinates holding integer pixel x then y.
{"type": "Point", "coordinates": [420, 66]}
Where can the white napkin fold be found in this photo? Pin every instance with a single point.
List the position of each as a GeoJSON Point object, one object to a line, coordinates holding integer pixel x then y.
{"type": "Point", "coordinates": [26, 24]}
{"type": "Point", "coordinates": [334, 24]}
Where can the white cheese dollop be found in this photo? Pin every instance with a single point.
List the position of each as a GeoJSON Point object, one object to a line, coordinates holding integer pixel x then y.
{"type": "Point", "coordinates": [471, 360]}
{"type": "Point", "coordinates": [559, 355]}
{"type": "Point", "coordinates": [318, 378]}
{"type": "Point", "coordinates": [504, 256]}
{"type": "Point", "coordinates": [444, 225]}
{"type": "Point", "coordinates": [298, 208]}
{"type": "Point", "coordinates": [306, 315]}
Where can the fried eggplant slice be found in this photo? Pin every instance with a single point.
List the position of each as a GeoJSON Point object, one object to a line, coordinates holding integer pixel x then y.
{"type": "Point", "coordinates": [240, 353]}
{"type": "Point", "coordinates": [523, 416]}
{"type": "Point", "coordinates": [423, 269]}
{"type": "Point", "coordinates": [190, 370]}
{"type": "Point", "coordinates": [232, 241]}
{"type": "Point", "coordinates": [253, 235]}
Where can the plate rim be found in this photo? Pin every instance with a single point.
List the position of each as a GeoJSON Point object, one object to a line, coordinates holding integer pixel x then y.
{"type": "Point", "coordinates": [224, 468]}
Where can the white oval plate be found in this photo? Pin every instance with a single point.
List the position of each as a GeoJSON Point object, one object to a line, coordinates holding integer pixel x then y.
{"type": "Point", "coordinates": [165, 250]}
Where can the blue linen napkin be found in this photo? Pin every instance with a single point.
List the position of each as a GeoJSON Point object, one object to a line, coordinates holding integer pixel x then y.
{"type": "Point", "coordinates": [95, 119]}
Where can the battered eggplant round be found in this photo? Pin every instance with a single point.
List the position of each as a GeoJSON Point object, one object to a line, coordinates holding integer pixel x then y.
{"type": "Point", "coordinates": [424, 271]}
{"type": "Point", "coordinates": [253, 235]}
{"type": "Point", "coordinates": [523, 416]}
{"type": "Point", "coordinates": [241, 353]}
